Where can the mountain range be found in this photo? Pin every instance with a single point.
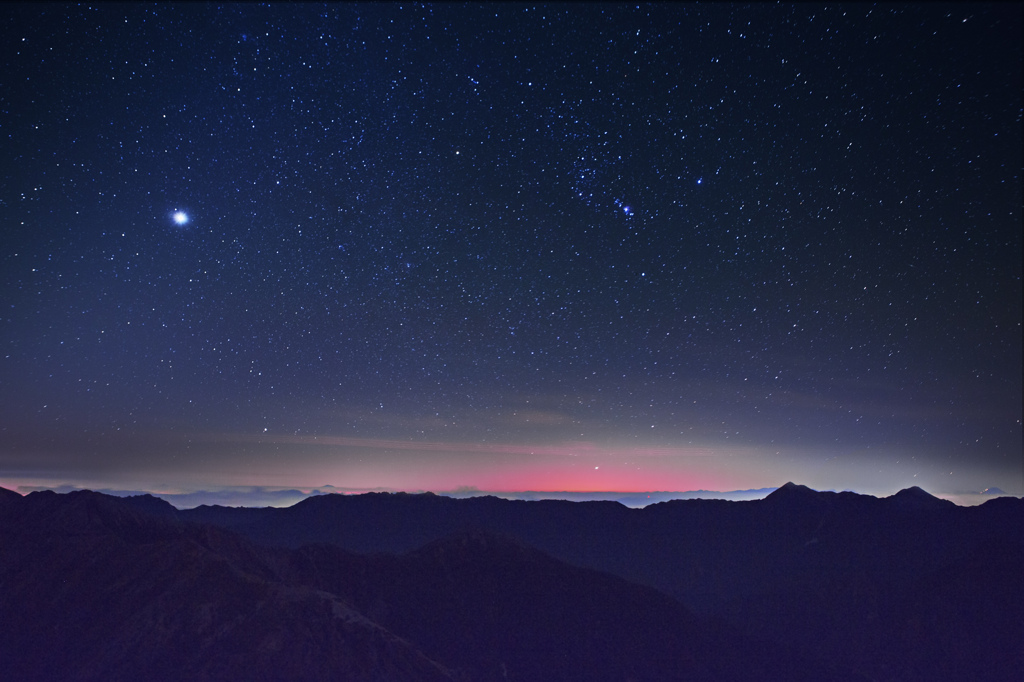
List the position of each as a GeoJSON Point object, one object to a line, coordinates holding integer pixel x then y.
{"type": "Point", "coordinates": [392, 586]}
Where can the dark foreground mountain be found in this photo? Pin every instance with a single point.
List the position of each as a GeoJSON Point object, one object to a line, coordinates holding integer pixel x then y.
{"type": "Point", "coordinates": [905, 587]}
{"type": "Point", "coordinates": [94, 587]}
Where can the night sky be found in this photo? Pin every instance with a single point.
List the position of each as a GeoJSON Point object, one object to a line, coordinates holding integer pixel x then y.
{"type": "Point", "coordinates": [511, 247]}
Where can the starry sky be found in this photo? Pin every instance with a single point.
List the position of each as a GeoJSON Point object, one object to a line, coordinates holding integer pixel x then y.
{"type": "Point", "coordinates": [511, 247]}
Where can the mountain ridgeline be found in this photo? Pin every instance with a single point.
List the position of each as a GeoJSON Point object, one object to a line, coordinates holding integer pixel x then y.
{"type": "Point", "coordinates": [799, 585]}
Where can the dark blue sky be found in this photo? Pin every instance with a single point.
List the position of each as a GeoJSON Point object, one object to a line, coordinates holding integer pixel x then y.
{"type": "Point", "coordinates": [511, 246]}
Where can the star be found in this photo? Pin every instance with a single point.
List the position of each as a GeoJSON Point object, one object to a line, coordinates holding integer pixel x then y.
{"type": "Point", "coordinates": [179, 217]}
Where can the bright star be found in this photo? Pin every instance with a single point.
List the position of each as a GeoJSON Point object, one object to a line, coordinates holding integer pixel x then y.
{"type": "Point", "coordinates": [180, 217]}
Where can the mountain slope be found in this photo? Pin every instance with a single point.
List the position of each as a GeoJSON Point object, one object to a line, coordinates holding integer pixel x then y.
{"type": "Point", "coordinates": [820, 572]}
{"type": "Point", "coordinates": [100, 588]}
{"type": "Point", "coordinates": [93, 589]}
{"type": "Point", "coordinates": [508, 611]}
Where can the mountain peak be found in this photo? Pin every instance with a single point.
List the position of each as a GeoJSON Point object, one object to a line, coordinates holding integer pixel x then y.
{"type": "Point", "coordinates": [150, 504]}
{"type": "Point", "coordinates": [792, 491]}
{"type": "Point", "coordinates": [5, 493]}
{"type": "Point", "coordinates": [9, 497]}
{"type": "Point", "coordinates": [917, 498]}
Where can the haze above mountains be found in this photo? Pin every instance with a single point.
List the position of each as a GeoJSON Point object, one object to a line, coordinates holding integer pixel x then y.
{"type": "Point", "coordinates": [798, 585]}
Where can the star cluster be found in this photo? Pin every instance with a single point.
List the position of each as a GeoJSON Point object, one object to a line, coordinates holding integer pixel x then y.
{"type": "Point", "coordinates": [792, 229]}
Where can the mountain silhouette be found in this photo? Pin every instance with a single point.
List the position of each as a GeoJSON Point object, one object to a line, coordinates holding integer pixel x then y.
{"type": "Point", "coordinates": [516, 613]}
{"type": "Point", "coordinates": [96, 587]}
{"type": "Point", "coordinates": [916, 498]}
{"type": "Point", "coordinates": [826, 574]}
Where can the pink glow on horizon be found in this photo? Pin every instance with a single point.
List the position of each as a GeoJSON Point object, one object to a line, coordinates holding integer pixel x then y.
{"type": "Point", "coordinates": [409, 465]}
{"type": "Point", "coordinates": [536, 473]}
{"type": "Point", "coordinates": [189, 462]}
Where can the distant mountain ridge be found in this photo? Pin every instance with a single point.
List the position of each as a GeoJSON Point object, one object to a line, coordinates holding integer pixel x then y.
{"type": "Point", "coordinates": [801, 584]}
{"type": "Point", "coordinates": [261, 496]}
{"type": "Point", "coordinates": [94, 587]}
{"type": "Point", "coordinates": [780, 568]}
{"type": "Point", "coordinates": [628, 499]}
{"type": "Point", "coordinates": [264, 496]}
